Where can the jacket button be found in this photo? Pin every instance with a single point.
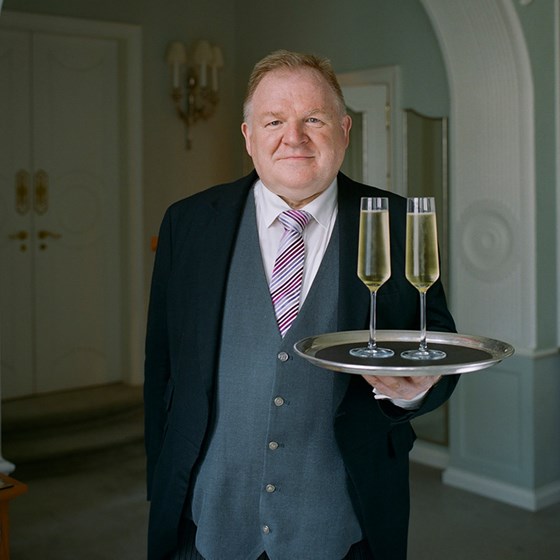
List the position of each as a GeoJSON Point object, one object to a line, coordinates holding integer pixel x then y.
{"type": "Point", "coordinates": [265, 529]}
{"type": "Point", "coordinates": [283, 356]}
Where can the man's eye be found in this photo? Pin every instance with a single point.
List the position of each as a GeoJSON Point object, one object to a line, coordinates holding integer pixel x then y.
{"type": "Point", "coordinates": [314, 120]}
{"type": "Point", "coordinates": [273, 123]}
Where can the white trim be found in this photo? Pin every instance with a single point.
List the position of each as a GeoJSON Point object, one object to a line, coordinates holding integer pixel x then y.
{"type": "Point", "coordinates": [532, 500]}
{"type": "Point", "coordinates": [135, 277]}
{"type": "Point", "coordinates": [430, 454]}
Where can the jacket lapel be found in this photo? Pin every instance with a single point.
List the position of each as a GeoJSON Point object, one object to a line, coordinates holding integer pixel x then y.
{"type": "Point", "coordinates": [353, 296]}
{"type": "Point", "coordinates": [219, 222]}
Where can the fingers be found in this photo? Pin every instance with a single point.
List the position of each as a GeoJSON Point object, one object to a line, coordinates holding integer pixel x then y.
{"type": "Point", "coordinates": [401, 387]}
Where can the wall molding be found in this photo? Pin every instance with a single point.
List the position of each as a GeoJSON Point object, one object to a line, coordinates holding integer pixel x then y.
{"type": "Point", "coordinates": [532, 500]}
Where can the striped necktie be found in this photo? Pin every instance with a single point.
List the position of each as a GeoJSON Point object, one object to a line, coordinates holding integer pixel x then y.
{"type": "Point", "coordinates": [287, 274]}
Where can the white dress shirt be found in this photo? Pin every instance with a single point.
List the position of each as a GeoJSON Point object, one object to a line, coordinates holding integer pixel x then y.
{"type": "Point", "coordinates": [316, 236]}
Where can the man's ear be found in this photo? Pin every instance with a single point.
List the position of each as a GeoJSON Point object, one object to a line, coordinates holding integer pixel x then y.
{"type": "Point", "coordinates": [247, 135]}
{"type": "Point", "coordinates": [346, 126]}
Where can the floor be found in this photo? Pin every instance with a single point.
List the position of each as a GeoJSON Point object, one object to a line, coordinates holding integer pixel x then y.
{"type": "Point", "coordinates": [89, 504]}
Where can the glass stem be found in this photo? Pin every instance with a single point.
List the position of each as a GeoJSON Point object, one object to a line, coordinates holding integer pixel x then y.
{"type": "Point", "coordinates": [423, 346]}
{"type": "Point", "coordinates": [372, 320]}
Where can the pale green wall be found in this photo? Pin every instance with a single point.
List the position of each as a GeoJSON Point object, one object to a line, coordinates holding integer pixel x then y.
{"type": "Point", "coordinates": [354, 35]}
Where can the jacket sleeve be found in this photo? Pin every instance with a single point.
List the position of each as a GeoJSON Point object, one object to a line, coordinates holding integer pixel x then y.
{"type": "Point", "coordinates": [438, 318]}
{"type": "Point", "coordinates": [157, 359]}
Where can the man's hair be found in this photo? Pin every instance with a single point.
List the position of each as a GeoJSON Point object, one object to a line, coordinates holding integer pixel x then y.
{"type": "Point", "coordinates": [287, 60]}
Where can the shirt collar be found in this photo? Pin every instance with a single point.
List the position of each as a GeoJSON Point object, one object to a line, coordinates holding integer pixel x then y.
{"type": "Point", "coordinates": [321, 208]}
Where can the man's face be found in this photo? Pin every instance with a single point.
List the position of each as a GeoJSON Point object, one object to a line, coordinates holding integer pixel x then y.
{"type": "Point", "coordinates": [295, 133]}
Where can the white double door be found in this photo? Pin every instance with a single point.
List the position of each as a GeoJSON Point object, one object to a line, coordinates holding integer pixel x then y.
{"type": "Point", "coordinates": [60, 201]}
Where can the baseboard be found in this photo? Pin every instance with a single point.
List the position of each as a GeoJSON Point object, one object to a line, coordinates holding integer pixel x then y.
{"type": "Point", "coordinates": [430, 454]}
{"type": "Point", "coordinates": [532, 500]}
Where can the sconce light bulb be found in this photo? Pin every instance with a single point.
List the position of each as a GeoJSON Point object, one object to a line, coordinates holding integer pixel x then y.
{"type": "Point", "coordinates": [203, 58]}
{"type": "Point", "coordinates": [176, 57]}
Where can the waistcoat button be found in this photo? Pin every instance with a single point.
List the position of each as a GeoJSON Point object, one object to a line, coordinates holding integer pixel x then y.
{"type": "Point", "coordinates": [278, 401]}
{"type": "Point", "coordinates": [270, 488]}
{"type": "Point", "coordinates": [265, 529]}
{"type": "Point", "coordinates": [273, 445]}
{"type": "Point", "coordinates": [283, 356]}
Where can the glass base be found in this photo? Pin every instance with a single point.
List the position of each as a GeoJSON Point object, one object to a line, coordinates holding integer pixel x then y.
{"type": "Point", "coordinates": [423, 354]}
{"type": "Point", "coordinates": [374, 352]}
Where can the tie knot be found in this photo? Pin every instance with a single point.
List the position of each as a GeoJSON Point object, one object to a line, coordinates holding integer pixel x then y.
{"type": "Point", "coordinates": [294, 220]}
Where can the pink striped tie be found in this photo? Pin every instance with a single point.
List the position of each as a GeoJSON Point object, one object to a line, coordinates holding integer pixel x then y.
{"type": "Point", "coordinates": [287, 274]}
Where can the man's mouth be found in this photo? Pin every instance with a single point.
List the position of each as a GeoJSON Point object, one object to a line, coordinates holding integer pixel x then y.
{"type": "Point", "coordinates": [296, 158]}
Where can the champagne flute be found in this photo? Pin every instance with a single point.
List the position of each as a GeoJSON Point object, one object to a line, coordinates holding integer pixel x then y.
{"type": "Point", "coordinates": [374, 264]}
{"type": "Point", "coordinates": [422, 264]}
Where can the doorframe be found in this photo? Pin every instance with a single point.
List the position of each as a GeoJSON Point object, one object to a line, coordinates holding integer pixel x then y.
{"type": "Point", "coordinates": [129, 38]}
{"type": "Point", "coordinates": [388, 76]}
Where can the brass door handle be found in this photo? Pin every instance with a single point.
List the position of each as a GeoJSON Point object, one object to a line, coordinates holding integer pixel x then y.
{"type": "Point", "coordinates": [41, 196]}
{"type": "Point", "coordinates": [22, 192]}
{"type": "Point", "coordinates": [20, 235]}
{"type": "Point", "coordinates": [43, 234]}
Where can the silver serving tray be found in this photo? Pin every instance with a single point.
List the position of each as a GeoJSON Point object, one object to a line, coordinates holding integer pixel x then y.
{"type": "Point", "coordinates": [465, 353]}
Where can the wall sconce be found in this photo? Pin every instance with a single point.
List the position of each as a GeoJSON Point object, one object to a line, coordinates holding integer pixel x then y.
{"type": "Point", "coordinates": [194, 78]}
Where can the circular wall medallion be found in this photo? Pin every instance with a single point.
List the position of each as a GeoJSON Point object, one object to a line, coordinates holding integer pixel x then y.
{"type": "Point", "coordinates": [487, 232]}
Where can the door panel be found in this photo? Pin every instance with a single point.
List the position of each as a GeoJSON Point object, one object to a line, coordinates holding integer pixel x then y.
{"type": "Point", "coordinates": [76, 130]}
{"type": "Point", "coordinates": [73, 284]}
{"type": "Point", "coordinates": [16, 249]}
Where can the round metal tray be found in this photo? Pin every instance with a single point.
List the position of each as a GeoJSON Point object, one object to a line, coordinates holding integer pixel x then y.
{"type": "Point", "coordinates": [465, 353]}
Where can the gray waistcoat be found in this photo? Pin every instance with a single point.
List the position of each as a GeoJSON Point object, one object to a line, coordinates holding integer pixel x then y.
{"type": "Point", "coordinates": [272, 477]}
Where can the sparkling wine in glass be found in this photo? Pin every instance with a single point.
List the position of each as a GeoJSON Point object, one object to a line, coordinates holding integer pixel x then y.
{"type": "Point", "coordinates": [374, 264]}
{"type": "Point", "coordinates": [422, 264]}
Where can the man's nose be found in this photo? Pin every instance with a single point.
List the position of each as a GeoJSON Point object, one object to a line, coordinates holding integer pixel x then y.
{"type": "Point", "coordinates": [294, 134]}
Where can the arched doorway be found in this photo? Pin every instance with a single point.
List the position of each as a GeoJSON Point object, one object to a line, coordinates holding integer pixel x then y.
{"type": "Point", "coordinates": [495, 448]}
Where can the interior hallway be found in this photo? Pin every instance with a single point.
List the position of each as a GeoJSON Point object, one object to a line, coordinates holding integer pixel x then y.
{"type": "Point", "coordinates": [85, 471]}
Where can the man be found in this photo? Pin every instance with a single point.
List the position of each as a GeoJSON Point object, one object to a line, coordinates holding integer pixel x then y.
{"type": "Point", "coordinates": [254, 453]}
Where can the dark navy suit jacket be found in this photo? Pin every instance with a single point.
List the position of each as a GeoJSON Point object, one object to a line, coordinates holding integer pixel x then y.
{"type": "Point", "coordinates": [184, 328]}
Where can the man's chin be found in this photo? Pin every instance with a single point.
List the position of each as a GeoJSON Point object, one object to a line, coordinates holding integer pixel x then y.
{"type": "Point", "coordinates": [298, 192]}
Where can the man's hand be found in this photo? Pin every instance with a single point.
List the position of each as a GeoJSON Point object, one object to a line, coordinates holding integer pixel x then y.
{"type": "Point", "coordinates": [402, 387]}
